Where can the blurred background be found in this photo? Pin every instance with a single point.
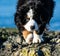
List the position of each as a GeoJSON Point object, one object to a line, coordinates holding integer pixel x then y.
{"type": "Point", "coordinates": [8, 8]}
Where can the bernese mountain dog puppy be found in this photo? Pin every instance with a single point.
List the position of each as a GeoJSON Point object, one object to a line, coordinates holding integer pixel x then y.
{"type": "Point", "coordinates": [31, 18]}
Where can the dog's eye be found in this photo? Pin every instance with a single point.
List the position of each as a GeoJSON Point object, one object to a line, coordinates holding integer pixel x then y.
{"type": "Point", "coordinates": [25, 20]}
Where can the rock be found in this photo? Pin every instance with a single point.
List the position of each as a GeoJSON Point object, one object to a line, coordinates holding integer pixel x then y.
{"type": "Point", "coordinates": [56, 51]}
{"type": "Point", "coordinates": [28, 52]}
{"type": "Point", "coordinates": [7, 44]}
{"type": "Point", "coordinates": [50, 47]}
{"type": "Point", "coordinates": [46, 52]}
{"type": "Point", "coordinates": [18, 40]}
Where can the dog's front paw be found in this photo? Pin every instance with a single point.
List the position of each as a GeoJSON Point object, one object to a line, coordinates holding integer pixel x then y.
{"type": "Point", "coordinates": [37, 38]}
{"type": "Point", "coordinates": [29, 39]}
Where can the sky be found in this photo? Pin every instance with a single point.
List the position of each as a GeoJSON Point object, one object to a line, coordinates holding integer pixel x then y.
{"type": "Point", "coordinates": [8, 8]}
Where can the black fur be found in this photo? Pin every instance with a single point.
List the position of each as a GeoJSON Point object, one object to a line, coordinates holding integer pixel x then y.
{"type": "Point", "coordinates": [43, 11]}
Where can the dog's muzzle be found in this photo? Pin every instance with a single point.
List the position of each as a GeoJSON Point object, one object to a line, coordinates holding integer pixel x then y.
{"type": "Point", "coordinates": [31, 25]}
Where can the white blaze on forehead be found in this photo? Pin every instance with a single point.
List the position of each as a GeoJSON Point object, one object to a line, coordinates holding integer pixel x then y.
{"type": "Point", "coordinates": [30, 13]}
{"type": "Point", "coordinates": [31, 22]}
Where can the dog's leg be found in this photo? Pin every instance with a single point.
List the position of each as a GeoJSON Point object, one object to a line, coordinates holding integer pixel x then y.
{"type": "Point", "coordinates": [29, 38]}
{"type": "Point", "coordinates": [37, 38]}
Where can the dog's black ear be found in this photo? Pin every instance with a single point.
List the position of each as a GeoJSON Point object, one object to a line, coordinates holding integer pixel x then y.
{"type": "Point", "coordinates": [17, 19]}
{"type": "Point", "coordinates": [48, 9]}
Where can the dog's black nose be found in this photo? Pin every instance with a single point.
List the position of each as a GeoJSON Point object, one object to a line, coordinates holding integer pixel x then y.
{"type": "Point", "coordinates": [32, 27]}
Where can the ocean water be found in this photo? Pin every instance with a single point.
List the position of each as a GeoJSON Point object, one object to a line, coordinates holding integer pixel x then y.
{"type": "Point", "coordinates": [8, 8]}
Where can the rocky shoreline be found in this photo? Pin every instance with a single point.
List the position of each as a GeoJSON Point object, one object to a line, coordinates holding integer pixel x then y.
{"type": "Point", "coordinates": [10, 45]}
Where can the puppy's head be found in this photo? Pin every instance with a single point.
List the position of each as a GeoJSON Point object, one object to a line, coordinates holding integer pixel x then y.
{"type": "Point", "coordinates": [33, 15]}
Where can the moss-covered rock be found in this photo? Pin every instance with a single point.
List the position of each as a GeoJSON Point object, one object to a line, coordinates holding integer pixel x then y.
{"type": "Point", "coordinates": [11, 46]}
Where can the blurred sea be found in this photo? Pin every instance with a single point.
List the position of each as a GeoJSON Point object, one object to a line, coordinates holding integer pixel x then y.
{"type": "Point", "coordinates": [8, 8]}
